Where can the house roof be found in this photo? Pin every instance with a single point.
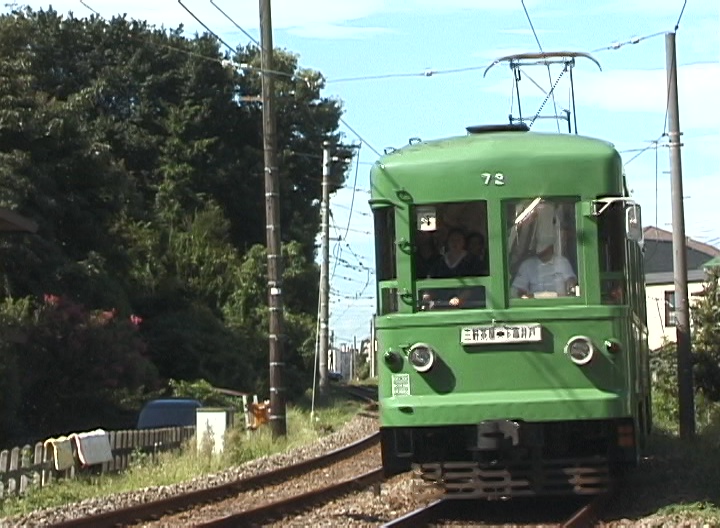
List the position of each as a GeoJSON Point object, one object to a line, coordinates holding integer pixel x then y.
{"type": "Point", "coordinates": [660, 235]}
{"type": "Point", "coordinates": [668, 277]}
{"type": "Point", "coordinates": [712, 263]}
{"type": "Point", "coordinates": [658, 252]}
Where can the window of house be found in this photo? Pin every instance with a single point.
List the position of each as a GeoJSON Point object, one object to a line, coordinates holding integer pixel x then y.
{"type": "Point", "coordinates": [669, 309]}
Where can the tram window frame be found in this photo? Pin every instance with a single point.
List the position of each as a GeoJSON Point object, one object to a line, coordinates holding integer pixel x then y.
{"type": "Point", "coordinates": [432, 225]}
{"type": "Point", "coordinates": [522, 235]}
{"type": "Point", "coordinates": [612, 252]}
{"type": "Point", "coordinates": [385, 244]}
{"type": "Point", "coordinates": [442, 219]}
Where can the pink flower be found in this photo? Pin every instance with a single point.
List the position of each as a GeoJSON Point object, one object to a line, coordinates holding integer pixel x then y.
{"type": "Point", "coordinates": [51, 299]}
{"type": "Point", "coordinates": [136, 320]}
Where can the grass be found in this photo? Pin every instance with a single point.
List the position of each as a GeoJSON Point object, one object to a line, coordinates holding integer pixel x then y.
{"type": "Point", "coordinates": [366, 382]}
{"type": "Point", "coordinates": [189, 463]}
{"type": "Point", "coordinates": [679, 481]}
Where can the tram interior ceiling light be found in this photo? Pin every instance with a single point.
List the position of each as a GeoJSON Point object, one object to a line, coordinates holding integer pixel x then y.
{"type": "Point", "coordinates": [421, 356]}
{"type": "Point", "coordinates": [580, 350]}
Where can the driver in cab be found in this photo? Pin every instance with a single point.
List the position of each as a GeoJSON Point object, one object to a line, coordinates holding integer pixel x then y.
{"type": "Point", "coordinates": [545, 274]}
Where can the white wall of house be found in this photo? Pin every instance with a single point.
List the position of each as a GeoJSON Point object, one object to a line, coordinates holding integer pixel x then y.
{"type": "Point", "coordinates": [659, 311]}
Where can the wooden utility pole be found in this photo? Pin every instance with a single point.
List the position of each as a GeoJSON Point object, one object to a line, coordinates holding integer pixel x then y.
{"type": "Point", "coordinates": [686, 399]}
{"type": "Point", "coordinates": [325, 270]}
{"type": "Point", "coordinates": [278, 422]}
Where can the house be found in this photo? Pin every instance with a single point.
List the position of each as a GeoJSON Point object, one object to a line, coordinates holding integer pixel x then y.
{"type": "Point", "coordinates": [660, 280]}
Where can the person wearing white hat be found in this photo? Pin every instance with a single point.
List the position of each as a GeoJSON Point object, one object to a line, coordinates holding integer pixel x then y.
{"type": "Point", "coordinates": [544, 273]}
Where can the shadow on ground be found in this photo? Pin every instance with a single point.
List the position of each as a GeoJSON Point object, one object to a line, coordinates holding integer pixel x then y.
{"type": "Point", "coordinates": [677, 477]}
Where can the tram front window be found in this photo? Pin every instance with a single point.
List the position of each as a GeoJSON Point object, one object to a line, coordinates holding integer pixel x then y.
{"type": "Point", "coordinates": [542, 248]}
{"type": "Point", "coordinates": [450, 241]}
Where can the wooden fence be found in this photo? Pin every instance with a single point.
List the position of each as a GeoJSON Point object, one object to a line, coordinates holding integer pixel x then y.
{"type": "Point", "coordinates": [23, 467]}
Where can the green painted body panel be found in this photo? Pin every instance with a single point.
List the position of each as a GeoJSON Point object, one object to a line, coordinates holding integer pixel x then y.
{"type": "Point", "coordinates": [531, 381]}
{"type": "Point", "coordinates": [446, 170]}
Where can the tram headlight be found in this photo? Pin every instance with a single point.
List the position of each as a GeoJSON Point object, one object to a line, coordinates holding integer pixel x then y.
{"type": "Point", "coordinates": [421, 356]}
{"type": "Point", "coordinates": [580, 350]}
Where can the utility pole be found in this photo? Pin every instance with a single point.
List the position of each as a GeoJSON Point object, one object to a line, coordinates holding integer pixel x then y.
{"type": "Point", "coordinates": [353, 357]}
{"type": "Point", "coordinates": [325, 270]}
{"type": "Point", "coordinates": [682, 310]}
{"type": "Point", "coordinates": [373, 373]}
{"type": "Point", "coordinates": [278, 422]}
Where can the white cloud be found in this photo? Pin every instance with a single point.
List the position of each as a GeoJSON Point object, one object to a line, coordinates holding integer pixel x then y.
{"type": "Point", "coordinates": [646, 90]}
{"type": "Point", "coordinates": [528, 31]}
{"type": "Point", "coordinates": [492, 54]}
{"type": "Point", "coordinates": [286, 14]}
{"type": "Point", "coordinates": [656, 8]}
{"type": "Point", "coordinates": [332, 31]}
{"type": "Point", "coordinates": [643, 91]}
{"type": "Point", "coordinates": [311, 18]}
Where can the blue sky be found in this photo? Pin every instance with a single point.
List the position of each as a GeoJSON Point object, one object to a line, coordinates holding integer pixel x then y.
{"type": "Point", "coordinates": [624, 104]}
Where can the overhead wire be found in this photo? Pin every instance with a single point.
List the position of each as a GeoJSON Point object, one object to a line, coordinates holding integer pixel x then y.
{"type": "Point", "coordinates": [653, 144]}
{"type": "Point", "coordinates": [248, 35]}
{"type": "Point", "coordinates": [226, 63]}
{"type": "Point", "coordinates": [90, 8]}
{"type": "Point", "coordinates": [352, 202]}
{"type": "Point", "coordinates": [228, 46]}
{"type": "Point", "coordinates": [673, 71]}
{"type": "Point", "coordinates": [552, 92]}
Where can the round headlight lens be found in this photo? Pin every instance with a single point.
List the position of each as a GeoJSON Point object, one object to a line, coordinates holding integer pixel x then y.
{"type": "Point", "coordinates": [580, 350]}
{"type": "Point", "coordinates": [422, 357]}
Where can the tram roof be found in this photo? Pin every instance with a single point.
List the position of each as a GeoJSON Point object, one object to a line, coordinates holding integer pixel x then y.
{"type": "Point", "coordinates": [502, 144]}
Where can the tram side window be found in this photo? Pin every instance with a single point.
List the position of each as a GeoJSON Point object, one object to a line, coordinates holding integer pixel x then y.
{"type": "Point", "coordinates": [385, 244]}
{"type": "Point", "coordinates": [451, 240]}
{"type": "Point", "coordinates": [542, 247]}
{"type": "Point", "coordinates": [611, 238]}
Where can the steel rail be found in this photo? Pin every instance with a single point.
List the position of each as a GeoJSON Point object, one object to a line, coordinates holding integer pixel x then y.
{"type": "Point", "coordinates": [152, 510]}
{"type": "Point", "coordinates": [420, 517]}
{"type": "Point", "coordinates": [365, 394]}
{"type": "Point", "coordinates": [589, 514]}
{"type": "Point", "coordinates": [297, 503]}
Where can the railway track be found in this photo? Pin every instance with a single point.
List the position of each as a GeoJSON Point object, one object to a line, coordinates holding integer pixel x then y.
{"type": "Point", "coordinates": [585, 516]}
{"type": "Point", "coordinates": [277, 509]}
{"type": "Point", "coordinates": [366, 394]}
{"type": "Point", "coordinates": [176, 505]}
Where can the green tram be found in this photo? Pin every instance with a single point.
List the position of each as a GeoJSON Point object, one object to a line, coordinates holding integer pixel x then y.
{"type": "Point", "coordinates": [511, 321]}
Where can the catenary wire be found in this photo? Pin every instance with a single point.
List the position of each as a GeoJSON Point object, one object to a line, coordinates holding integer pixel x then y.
{"type": "Point", "coordinates": [228, 46]}
{"type": "Point", "coordinates": [532, 27]}
{"type": "Point", "coordinates": [248, 35]}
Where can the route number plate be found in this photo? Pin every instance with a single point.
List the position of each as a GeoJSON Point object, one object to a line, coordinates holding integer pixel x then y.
{"type": "Point", "coordinates": [500, 334]}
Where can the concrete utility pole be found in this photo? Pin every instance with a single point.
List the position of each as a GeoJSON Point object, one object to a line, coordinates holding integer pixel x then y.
{"type": "Point", "coordinates": [373, 367]}
{"type": "Point", "coordinates": [353, 357]}
{"type": "Point", "coordinates": [278, 422]}
{"type": "Point", "coordinates": [682, 310]}
{"type": "Point", "coordinates": [325, 270]}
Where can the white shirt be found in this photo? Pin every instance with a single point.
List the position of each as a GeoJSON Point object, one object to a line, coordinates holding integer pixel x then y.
{"type": "Point", "coordinates": [535, 275]}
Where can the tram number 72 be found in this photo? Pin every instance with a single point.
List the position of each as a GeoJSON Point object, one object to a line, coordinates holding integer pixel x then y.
{"type": "Point", "coordinates": [495, 179]}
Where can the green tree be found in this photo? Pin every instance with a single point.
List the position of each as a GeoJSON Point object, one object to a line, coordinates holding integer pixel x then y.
{"type": "Point", "coordinates": [706, 337]}
{"type": "Point", "coordinates": [132, 148]}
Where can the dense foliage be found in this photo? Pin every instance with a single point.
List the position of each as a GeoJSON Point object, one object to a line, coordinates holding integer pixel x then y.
{"type": "Point", "coordinates": [705, 333]}
{"type": "Point", "coordinates": [135, 152]}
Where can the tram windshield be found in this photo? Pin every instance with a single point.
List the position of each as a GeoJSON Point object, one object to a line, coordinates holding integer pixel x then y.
{"type": "Point", "coordinates": [451, 242]}
{"type": "Point", "coordinates": [542, 248]}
